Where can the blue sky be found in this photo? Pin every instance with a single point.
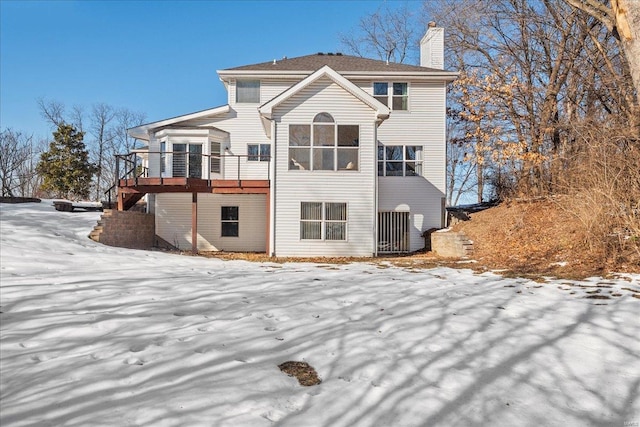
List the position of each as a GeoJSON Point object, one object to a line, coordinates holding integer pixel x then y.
{"type": "Point", "coordinates": [156, 57]}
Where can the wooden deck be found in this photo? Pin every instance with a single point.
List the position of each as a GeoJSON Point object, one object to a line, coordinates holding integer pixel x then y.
{"type": "Point", "coordinates": [131, 190]}
{"type": "Point", "coordinates": [193, 185]}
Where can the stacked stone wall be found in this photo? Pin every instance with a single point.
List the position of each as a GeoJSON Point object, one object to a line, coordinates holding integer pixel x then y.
{"type": "Point", "coordinates": [451, 244]}
{"type": "Point", "coordinates": [125, 229]}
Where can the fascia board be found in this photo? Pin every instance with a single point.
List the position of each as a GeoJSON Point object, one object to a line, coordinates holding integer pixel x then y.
{"type": "Point", "coordinates": [141, 132]}
{"type": "Point", "coordinates": [205, 131]}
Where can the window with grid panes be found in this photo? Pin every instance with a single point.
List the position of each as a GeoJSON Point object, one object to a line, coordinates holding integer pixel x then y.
{"type": "Point", "coordinates": [399, 160]}
{"type": "Point", "coordinates": [323, 221]}
{"type": "Point", "coordinates": [323, 145]}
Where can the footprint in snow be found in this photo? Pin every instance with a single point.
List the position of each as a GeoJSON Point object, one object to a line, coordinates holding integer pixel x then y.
{"type": "Point", "coordinates": [136, 348]}
{"type": "Point", "coordinates": [270, 329]}
{"type": "Point", "coordinates": [28, 344]}
{"type": "Point", "coordinates": [43, 357]}
{"type": "Point", "coordinates": [134, 361]}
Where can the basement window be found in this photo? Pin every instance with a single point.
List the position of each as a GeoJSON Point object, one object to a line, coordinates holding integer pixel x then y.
{"type": "Point", "coordinates": [323, 221]}
{"type": "Point", "coordinates": [230, 221]}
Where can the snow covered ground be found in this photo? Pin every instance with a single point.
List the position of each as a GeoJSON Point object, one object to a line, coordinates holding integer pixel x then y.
{"type": "Point", "coordinates": [92, 335]}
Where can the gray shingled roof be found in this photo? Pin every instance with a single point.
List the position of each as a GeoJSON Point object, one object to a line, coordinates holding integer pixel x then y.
{"type": "Point", "coordinates": [338, 62]}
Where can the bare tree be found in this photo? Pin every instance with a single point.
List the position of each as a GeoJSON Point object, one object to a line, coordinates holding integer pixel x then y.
{"type": "Point", "coordinates": [17, 169]}
{"type": "Point", "coordinates": [622, 19]}
{"type": "Point", "coordinates": [124, 120]}
{"type": "Point", "coordinates": [56, 114]}
{"type": "Point", "coordinates": [120, 142]}
{"type": "Point", "coordinates": [52, 112]}
{"type": "Point", "coordinates": [388, 34]}
{"type": "Point", "coordinates": [102, 116]}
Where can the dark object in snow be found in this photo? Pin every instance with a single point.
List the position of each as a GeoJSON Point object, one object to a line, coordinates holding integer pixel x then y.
{"type": "Point", "coordinates": [19, 200]}
{"type": "Point", "coordinates": [68, 206]}
{"type": "Point", "coordinates": [306, 375]}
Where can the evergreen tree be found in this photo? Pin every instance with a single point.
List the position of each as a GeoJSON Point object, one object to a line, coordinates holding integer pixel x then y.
{"type": "Point", "coordinates": [65, 167]}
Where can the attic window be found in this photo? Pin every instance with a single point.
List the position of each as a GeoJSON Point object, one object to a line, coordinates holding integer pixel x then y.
{"type": "Point", "coordinates": [248, 91]}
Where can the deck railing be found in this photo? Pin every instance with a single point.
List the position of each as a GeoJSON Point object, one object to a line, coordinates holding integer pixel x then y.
{"type": "Point", "coordinates": [181, 164]}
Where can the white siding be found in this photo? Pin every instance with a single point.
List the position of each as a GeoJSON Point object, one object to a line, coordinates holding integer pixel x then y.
{"type": "Point", "coordinates": [415, 195]}
{"type": "Point", "coordinates": [173, 221]}
{"type": "Point", "coordinates": [245, 127]}
{"type": "Point", "coordinates": [354, 188]}
{"type": "Point", "coordinates": [423, 124]}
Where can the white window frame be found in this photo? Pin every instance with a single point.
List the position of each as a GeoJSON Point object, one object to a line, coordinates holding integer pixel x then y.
{"type": "Point", "coordinates": [247, 91]}
{"type": "Point", "coordinates": [187, 156]}
{"type": "Point", "coordinates": [405, 161]}
{"type": "Point", "coordinates": [325, 222]}
{"type": "Point", "coordinates": [387, 99]}
{"type": "Point", "coordinates": [338, 146]}
{"type": "Point", "coordinates": [215, 159]}
{"type": "Point", "coordinates": [261, 156]}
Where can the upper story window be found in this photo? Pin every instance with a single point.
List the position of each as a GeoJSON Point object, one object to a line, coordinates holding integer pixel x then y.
{"type": "Point", "coordinates": [248, 91]}
{"type": "Point", "coordinates": [258, 152]}
{"type": "Point", "coordinates": [399, 160]}
{"type": "Point", "coordinates": [323, 145]}
{"type": "Point", "coordinates": [394, 95]}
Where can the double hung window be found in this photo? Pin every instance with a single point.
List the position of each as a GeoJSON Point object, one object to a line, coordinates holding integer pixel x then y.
{"type": "Point", "coordinates": [394, 95]}
{"type": "Point", "coordinates": [230, 221]}
{"type": "Point", "coordinates": [399, 160]}
{"type": "Point", "coordinates": [258, 152]}
{"type": "Point", "coordinates": [323, 221]}
{"type": "Point", "coordinates": [324, 145]}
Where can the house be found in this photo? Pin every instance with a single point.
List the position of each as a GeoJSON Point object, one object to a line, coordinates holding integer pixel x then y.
{"type": "Point", "coordinates": [318, 155]}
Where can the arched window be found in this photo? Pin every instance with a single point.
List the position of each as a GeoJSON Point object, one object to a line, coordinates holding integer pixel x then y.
{"type": "Point", "coordinates": [324, 145]}
{"type": "Point", "coordinates": [323, 118]}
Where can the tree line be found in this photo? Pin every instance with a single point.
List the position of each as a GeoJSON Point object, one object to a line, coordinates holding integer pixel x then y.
{"type": "Point", "coordinates": [78, 163]}
{"type": "Point", "coordinates": [546, 104]}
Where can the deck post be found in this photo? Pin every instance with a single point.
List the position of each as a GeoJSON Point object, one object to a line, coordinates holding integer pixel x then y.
{"type": "Point", "coordinates": [120, 200]}
{"type": "Point", "coordinates": [194, 223]}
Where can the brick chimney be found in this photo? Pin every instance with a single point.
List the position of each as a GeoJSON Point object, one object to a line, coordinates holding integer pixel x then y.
{"type": "Point", "coordinates": [432, 47]}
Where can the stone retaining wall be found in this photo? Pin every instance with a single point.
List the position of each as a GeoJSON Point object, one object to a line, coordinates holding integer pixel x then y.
{"type": "Point", "coordinates": [125, 229]}
{"type": "Point", "coordinates": [451, 244]}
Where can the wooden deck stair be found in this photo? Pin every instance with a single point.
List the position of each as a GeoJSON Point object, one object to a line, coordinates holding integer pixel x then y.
{"type": "Point", "coordinates": [130, 199]}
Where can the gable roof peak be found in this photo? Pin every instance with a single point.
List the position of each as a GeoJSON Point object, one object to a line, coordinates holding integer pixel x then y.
{"type": "Point", "coordinates": [382, 111]}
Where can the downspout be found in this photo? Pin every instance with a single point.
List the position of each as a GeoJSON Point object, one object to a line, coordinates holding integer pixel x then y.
{"type": "Point", "coordinates": [375, 188]}
{"type": "Point", "coordinates": [272, 191]}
